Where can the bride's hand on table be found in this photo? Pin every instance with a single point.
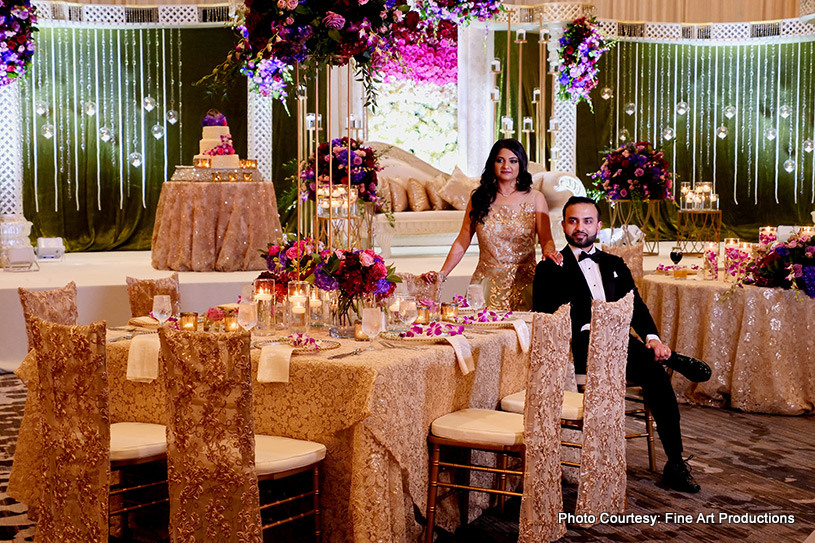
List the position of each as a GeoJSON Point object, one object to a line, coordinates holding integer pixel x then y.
{"type": "Point", "coordinates": [432, 276]}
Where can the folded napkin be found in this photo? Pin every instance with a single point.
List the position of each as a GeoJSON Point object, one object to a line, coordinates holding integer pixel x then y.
{"type": "Point", "coordinates": [273, 366]}
{"type": "Point", "coordinates": [464, 353]}
{"type": "Point", "coordinates": [143, 322]}
{"type": "Point", "coordinates": [523, 334]}
{"type": "Point", "coordinates": [142, 359]}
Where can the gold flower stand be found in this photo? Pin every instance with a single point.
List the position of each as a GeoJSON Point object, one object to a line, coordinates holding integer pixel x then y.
{"type": "Point", "coordinates": [644, 214]}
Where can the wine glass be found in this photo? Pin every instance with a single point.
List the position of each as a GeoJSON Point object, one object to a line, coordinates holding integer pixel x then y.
{"type": "Point", "coordinates": [475, 297]}
{"type": "Point", "coordinates": [162, 308]}
{"type": "Point", "coordinates": [372, 323]}
{"type": "Point", "coordinates": [676, 254]}
{"type": "Point", "coordinates": [408, 311]}
{"type": "Point", "coordinates": [247, 315]}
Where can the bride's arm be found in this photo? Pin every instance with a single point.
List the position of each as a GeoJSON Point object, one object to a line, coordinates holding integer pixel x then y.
{"type": "Point", "coordinates": [544, 230]}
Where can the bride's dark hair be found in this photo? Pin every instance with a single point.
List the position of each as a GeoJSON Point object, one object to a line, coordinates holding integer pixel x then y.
{"type": "Point", "coordinates": [484, 195]}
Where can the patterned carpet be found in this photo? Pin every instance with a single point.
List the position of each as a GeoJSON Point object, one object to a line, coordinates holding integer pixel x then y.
{"type": "Point", "coordinates": [747, 465]}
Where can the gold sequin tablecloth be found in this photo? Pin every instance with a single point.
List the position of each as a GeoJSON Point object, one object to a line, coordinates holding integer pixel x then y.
{"type": "Point", "coordinates": [759, 342]}
{"type": "Point", "coordinates": [214, 226]}
{"type": "Point", "coordinates": [372, 411]}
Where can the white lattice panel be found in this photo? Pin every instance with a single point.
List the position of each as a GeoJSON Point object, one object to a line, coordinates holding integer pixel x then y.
{"type": "Point", "coordinates": [43, 9]}
{"type": "Point", "coordinates": [730, 31]}
{"type": "Point", "coordinates": [564, 140]}
{"type": "Point", "coordinates": [663, 31]}
{"type": "Point", "coordinates": [807, 7]}
{"type": "Point", "coordinates": [794, 27]}
{"type": "Point", "coordinates": [97, 13]}
{"type": "Point", "coordinates": [608, 28]}
{"type": "Point", "coordinates": [568, 11]}
{"type": "Point", "coordinates": [11, 152]}
{"type": "Point", "coordinates": [259, 132]}
{"type": "Point", "coordinates": [177, 14]}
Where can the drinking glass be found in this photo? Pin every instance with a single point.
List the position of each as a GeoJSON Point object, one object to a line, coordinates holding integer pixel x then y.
{"type": "Point", "coordinates": [372, 323]}
{"type": "Point", "coordinates": [676, 254]}
{"type": "Point", "coordinates": [247, 315]}
{"type": "Point", "coordinates": [162, 308]}
{"type": "Point", "coordinates": [408, 311]}
{"type": "Point", "coordinates": [475, 297]}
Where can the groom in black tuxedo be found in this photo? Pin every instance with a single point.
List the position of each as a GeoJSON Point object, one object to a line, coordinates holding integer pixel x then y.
{"type": "Point", "coordinates": [586, 274]}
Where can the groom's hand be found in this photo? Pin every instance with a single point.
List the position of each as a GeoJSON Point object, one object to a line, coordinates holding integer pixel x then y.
{"type": "Point", "coordinates": [661, 351]}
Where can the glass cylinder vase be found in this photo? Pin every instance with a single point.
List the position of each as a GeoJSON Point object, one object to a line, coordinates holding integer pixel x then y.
{"type": "Point", "coordinates": [298, 307]}
{"type": "Point", "coordinates": [345, 312]}
{"type": "Point", "coordinates": [264, 297]}
{"type": "Point", "coordinates": [710, 262]}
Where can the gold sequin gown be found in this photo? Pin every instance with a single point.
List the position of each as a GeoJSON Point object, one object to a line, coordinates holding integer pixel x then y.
{"type": "Point", "coordinates": [506, 262]}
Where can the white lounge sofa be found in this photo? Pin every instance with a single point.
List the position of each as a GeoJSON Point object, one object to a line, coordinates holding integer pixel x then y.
{"type": "Point", "coordinates": [440, 227]}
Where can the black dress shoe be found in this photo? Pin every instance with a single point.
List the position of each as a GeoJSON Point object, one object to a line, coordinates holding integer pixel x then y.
{"type": "Point", "coordinates": [693, 369]}
{"type": "Point", "coordinates": [676, 475]}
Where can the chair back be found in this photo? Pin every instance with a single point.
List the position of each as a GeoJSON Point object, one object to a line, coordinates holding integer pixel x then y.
{"type": "Point", "coordinates": [75, 430]}
{"type": "Point", "coordinates": [210, 437]}
{"type": "Point", "coordinates": [56, 305]}
{"type": "Point", "coordinates": [419, 288]}
{"type": "Point", "coordinates": [542, 497]}
{"type": "Point", "coordinates": [141, 292]}
{"type": "Point", "coordinates": [632, 256]}
{"type": "Point", "coordinates": [602, 467]}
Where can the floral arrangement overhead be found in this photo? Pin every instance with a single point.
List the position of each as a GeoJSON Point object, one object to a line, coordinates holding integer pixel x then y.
{"type": "Point", "coordinates": [581, 47]}
{"type": "Point", "coordinates": [458, 12]}
{"type": "Point", "coordinates": [17, 19]}
{"type": "Point", "coordinates": [427, 53]}
{"type": "Point", "coordinates": [789, 264]}
{"type": "Point", "coordinates": [635, 171]}
{"type": "Point", "coordinates": [291, 260]}
{"type": "Point", "coordinates": [363, 168]}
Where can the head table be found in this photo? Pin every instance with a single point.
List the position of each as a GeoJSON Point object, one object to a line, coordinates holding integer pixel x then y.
{"type": "Point", "coordinates": [759, 342]}
{"type": "Point", "coordinates": [372, 411]}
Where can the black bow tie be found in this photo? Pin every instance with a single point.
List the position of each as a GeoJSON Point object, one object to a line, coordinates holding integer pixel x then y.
{"type": "Point", "coordinates": [584, 255]}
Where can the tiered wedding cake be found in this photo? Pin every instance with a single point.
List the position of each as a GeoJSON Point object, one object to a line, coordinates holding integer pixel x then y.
{"type": "Point", "coordinates": [216, 142]}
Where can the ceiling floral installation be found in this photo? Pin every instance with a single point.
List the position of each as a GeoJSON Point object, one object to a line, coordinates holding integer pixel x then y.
{"type": "Point", "coordinates": [17, 19]}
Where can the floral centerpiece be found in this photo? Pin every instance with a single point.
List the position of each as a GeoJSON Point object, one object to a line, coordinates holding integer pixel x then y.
{"type": "Point", "coordinates": [635, 171]}
{"type": "Point", "coordinates": [789, 264]}
{"type": "Point", "coordinates": [17, 19]}
{"type": "Point", "coordinates": [458, 12]}
{"type": "Point", "coordinates": [291, 260]}
{"type": "Point", "coordinates": [363, 168]}
{"type": "Point", "coordinates": [581, 47]}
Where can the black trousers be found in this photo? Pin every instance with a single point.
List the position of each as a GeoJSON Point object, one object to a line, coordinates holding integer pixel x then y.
{"type": "Point", "coordinates": [643, 370]}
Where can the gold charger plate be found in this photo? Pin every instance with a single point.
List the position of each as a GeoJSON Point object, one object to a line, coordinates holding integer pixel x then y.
{"type": "Point", "coordinates": [394, 336]}
{"type": "Point", "coordinates": [324, 345]}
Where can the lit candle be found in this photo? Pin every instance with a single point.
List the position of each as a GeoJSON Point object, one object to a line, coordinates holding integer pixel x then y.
{"type": "Point", "coordinates": [233, 177]}
{"type": "Point", "coordinates": [188, 321]}
{"type": "Point", "coordinates": [216, 177]}
{"type": "Point", "coordinates": [202, 163]}
{"type": "Point", "coordinates": [247, 176]}
{"type": "Point", "coordinates": [714, 201]}
{"type": "Point", "coordinates": [263, 297]}
{"type": "Point", "coordinates": [298, 309]}
{"type": "Point", "coordinates": [449, 311]}
{"type": "Point", "coordinates": [231, 323]}
{"type": "Point", "coordinates": [421, 316]}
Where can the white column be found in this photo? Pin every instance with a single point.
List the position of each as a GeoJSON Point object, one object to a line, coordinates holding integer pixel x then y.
{"type": "Point", "coordinates": [475, 123]}
{"type": "Point", "coordinates": [14, 228]}
{"type": "Point", "coordinates": [259, 132]}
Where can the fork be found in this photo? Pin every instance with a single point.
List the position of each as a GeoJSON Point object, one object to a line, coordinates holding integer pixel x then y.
{"type": "Point", "coordinates": [343, 355]}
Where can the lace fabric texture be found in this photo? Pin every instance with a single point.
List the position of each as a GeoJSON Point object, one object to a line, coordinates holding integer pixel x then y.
{"type": "Point", "coordinates": [506, 260]}
{"type": "Point", "coordinates": [632, 256]}
{"type": "Point", "coordinates": [56, 305]}
{"type": "Point", "coordinates": [602, 482]}
{"type": "Point", "coordinates": [75, 465]}
{"type": "Point", "coordinates": [141, 292]}
{"type": "Point", "coordinates": [542, 496]}
{"type": "Point", "coordinates": [418, 287]}
{"type": "Point", "coordinates": [210, 438]}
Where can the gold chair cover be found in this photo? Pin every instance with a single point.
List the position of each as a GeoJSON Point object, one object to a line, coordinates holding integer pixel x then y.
{"type": "Point", "coordinates": [632, 256]}
{"type": "Point", "coordinates": [75, 428]}
{"type": "Point", "coordinates": [210, 438]}
{"type": "Point", "coordinates": [141, 292]}
{"type": "Point", "coordinates": [601, 487]}
{"type": "Point", "coordinates": [419, 288]}
{"type": "Point", "coordinates": [56, 305]}
{"type": "Point", "coordinates": [542, 497]}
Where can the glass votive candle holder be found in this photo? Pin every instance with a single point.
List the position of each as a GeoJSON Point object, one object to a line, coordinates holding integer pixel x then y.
{"type": "Point", "coordinates": [710, 261]}
{"type": "Point", "coordinates": [217, 177]}
{"type": "Point", "coordinates": [232, 176]}
{"type": "Point", "coordinates": [297, 307]}
{"type": "Point", "coordinates": [202, 163]}
{"type": "Point", "coordinates": [422, 315]}
{"type": "Point", "coordinates": [243, 163]}
{"type": "Point", "coordinates": [188, 321]}
{"type": "Point", "coordinates": [449, 311]}
{"type": "Point", "coordinates": [317, 306]}
{"type": "Point", "coordinates": [231, 323]}
{"type": "Point", "coordinates": [251, 164]}
{"type": "Point", "coordinates": [247, 176]}
{"type": "Point", "coordinates": [264, 297]}
{"type": "Point", "coordinates": [767, 235]}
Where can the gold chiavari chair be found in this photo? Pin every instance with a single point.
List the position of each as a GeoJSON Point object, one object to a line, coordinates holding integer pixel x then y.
{"type": "Point", "coordinates": [55, 305]}
{"type": "Point", "coordinates": [141, 292]}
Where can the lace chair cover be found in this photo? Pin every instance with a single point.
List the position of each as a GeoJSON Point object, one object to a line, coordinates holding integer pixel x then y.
{"type": "Point", "coordinates": [75, 428]}
{"type": "Point", "coordinates": [632, 256]}
{"type": "Point", "coordinates": [141, 292]}
{"type": "Point", "coordinates": [57, 306]}
{"type": "Point", "coordinates": [602, 467]}
{"type": "Point", "coordinates": [418, 287]}
{"type": "Point", "coordinates": [210, 438]}
{"type": "Point", "coordinates": [542, 496]}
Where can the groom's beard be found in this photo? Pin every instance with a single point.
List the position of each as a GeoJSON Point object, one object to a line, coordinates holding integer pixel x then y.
{"type": "Point", "coordinates": [584, 241]}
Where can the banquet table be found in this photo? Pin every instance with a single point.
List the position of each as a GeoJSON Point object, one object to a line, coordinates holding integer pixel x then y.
{"type": "Point", "coordinates": [759, 342]}
{"type": "Point", "coordinates": [214, 226]}
{"type": "Point", "coordinates": [372, 411]}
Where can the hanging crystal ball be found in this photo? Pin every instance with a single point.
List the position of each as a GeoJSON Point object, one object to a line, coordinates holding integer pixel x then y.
{"type": "Point", "coordinates": [630, 108]}
{"type": "Point", "coordinates": [105, 134]}
{"type": "Point", "coordinates": [157, 131]}
{"type": "Point", "coordinates": [135, 159]}
{"type": "Point", "coordinates": [809, 146]}
{"type": "Point", "coordinates": [682, 108]}
{"type": "Point", "coordinates": [730, 112]}
{"type": "Point", "coordinates": [785, 111]}
{"type": "Point", "coordinates": [172, 116]}
{"type": "Point", "coordinates": [789, 165]}
{"type": "Point", "coordinates": [606, 93]}
{"type": "Point", "coordinates": [90, 109]}
{"type": "Point", "coordinates": [41, 108]}
{"type": "Point", "coordinates": [624, 134]}
{"type": "Point", "coordinates": [771, 134]}
{"type": "Point", "coordinates": [149, 103]}
{"type": "Point", "coordinates": [668, 134]}
{"type": "Point", "coordinates": [47, 131]}
{"type": "Point", "coordinates": [721, 133]}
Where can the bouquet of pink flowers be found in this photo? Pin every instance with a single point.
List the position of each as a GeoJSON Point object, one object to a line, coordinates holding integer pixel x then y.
{"type": "Point", "coordinates": [635, 171]}
{"type": "Point", "coordinates": [17, 19]}
{"type": "Point", "coordinates": [581, 47]}
{"type": "Point", "coordinates": [291, 261]}
{"type": "Point", "coordinates": [354, 274]}
{"type": "Point", "coordinates": [789, 264]}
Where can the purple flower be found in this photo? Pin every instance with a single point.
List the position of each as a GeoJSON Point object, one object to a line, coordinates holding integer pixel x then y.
{"type": "Point", "coordinates": [322, 280]}
{"type": "Point", "coordinates": [334, 20]}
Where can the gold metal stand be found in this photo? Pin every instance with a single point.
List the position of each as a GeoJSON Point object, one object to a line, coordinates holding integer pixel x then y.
{"type": "Point", "coordinates": [643, 213]}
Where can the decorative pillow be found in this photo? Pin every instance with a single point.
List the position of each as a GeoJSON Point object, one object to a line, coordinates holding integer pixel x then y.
{"type": "Point", "coordinates": [383, 190]}
{"type": "Point", "coordinates": [57, 306]}
{"type": "Point", "coordinates": [399, 198]}
{"type": "Point", "coordinates": [417, 196]}
{"type": "Point", "coordinates": [459, 188]}
{"type": "Point", "coordinates": [141, 292]}
{"type": "Point", "coordinates": [433, 188]}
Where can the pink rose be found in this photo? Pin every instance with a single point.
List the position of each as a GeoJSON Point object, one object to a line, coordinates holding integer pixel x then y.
{"type": "Point", "coordinates": [273, 250]}
{"type": "Point", "coordinates": [365, 259]}
{"type": "Point", "coordinates": [334, 20]}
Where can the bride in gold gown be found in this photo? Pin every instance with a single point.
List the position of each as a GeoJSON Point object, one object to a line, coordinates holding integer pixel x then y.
{"type": "Point", "coordinates": [507, 216]}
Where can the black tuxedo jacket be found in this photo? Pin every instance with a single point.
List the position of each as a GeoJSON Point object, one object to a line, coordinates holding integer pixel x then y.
{"type": "Point", "coordinates": [557, 285]}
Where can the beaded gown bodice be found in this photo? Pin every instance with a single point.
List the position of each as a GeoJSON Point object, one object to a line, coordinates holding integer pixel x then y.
{"type": "Point", "coordinates": [506, 261]}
